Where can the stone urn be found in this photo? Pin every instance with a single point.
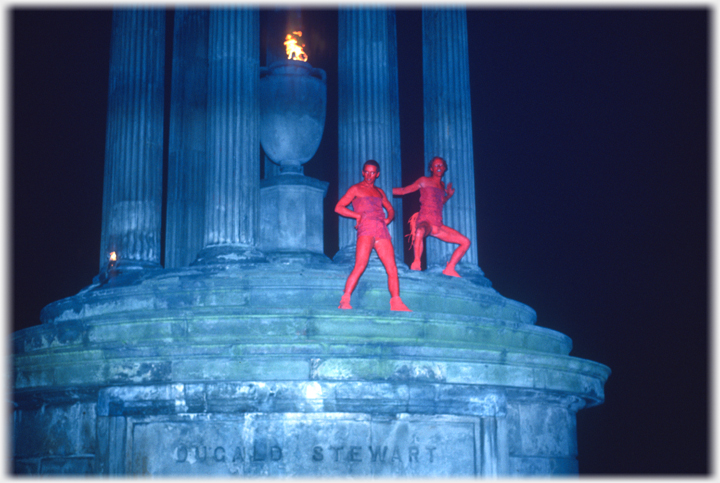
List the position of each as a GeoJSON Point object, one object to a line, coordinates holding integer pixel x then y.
{"type": "Point", "coordinates": [293, 96]}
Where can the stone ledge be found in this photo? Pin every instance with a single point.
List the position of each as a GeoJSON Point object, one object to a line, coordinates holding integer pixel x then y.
{"type": "Point", "coordinates": [284, 285]}
{"type": "Point", "coordinates": [250, 326]}
{"type": "Point", "coordinates": [485, 368]}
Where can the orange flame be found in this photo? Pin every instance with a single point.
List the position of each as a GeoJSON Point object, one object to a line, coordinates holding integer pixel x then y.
{"type": "Point", "coordinates": [113, 256]}
{"type": "Point", "coordinates": [293, 50]}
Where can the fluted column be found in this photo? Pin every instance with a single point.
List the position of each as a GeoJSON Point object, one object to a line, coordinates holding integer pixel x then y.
{"type": "Point", "coordinates": [233, 142]}
{"type": "Point", "coordinates": [448, 124]}
{"type": "Point", "coordinates": [393, 177]}
{"type": "Point", "coordinates": [187, 157]}
{"type": "Point", "coordinates": [368, 112]}
{"type": "Point", "coordinates": [132, 189]}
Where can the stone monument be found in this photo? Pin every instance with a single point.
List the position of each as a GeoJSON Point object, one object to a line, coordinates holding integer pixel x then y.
{"type": "Point", "coordinates": [233, 358]}
{"type": "Point", "coordinates": [292, 119]}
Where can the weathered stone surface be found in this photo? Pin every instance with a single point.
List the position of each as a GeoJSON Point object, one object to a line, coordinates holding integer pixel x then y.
{"type": "Point", "coordinates": [179, 363]}
{"type": "Point", "coordinates": [132, 204]}
{"type": "Point", "coordinates": [233, 143]}
{"type": "Point", "coordinates": [187, 142]}
{"type": "Point", "coordinates": [291, 214]}
{"type": "Point", "coordinates": [317, 285]}
{"type": "Point", "coordinates": [69, 430]}
{"type": "Point", "coordinates": [305, 445]}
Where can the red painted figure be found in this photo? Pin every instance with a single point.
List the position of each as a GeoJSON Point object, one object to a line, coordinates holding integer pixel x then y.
{"type": "Point", "coordinates": [428, 221]}
{"type": "Point", "coordinates": [368, 201]}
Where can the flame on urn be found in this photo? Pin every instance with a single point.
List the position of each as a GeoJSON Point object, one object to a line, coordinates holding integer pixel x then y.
{"type": "Point", "coordinates": [292, 49]}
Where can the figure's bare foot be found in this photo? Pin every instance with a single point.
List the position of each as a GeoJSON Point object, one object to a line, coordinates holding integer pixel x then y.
{"type": "Point", "coordinates": [451, 272]}
{"type": "Point", "coordinates": [345, 302]}
{"type": "Point", "coordinates": [397, 304]}
{"type": "Point", "coordinates": [416, 265]}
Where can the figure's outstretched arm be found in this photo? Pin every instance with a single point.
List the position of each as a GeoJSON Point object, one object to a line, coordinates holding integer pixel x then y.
{"type": "Point", "coordinates": [386, 204]}
{"type": "Point", "coordinates": [341, 206]}
{"type": "Point", "coordinates": [408, 189]}
{"type": "Point", "coordinates": [449, 192]}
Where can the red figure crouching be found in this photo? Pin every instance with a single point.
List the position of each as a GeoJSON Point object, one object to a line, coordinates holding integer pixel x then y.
{"type": "Point", "coordinates": [428, 221]}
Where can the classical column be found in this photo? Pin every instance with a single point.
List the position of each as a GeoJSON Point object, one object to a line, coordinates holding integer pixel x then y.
{"type": "Point", "coordinates": [448, 125]}
{"type": "Point", "coordinates": [187, 159]}
{"type": "Point", "coordinates": [394, 173]}
{"type": "Point", "coordinates": [368, 111]}
{"type": "Point", "coordinates": [132, 185]}
{"type": "Point", "coordinates": [233, 142]}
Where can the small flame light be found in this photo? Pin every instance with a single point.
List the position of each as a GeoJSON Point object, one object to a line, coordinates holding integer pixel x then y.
{"type": "Point", "coordinates": [292, 49]}
{"type": "Point", "coordinates": [112, 259]}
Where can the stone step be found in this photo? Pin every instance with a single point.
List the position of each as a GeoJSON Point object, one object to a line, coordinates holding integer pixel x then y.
{"type": "Point", "coordinates": [241, 326]}
{"type": "Point", "coordinates": [269, 286]}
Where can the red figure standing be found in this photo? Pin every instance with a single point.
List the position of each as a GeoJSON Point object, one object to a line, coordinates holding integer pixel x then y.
{"type": "Point", "coordinates": [368, 201]}
{"type": "Point", "coordinates": [428, 221]}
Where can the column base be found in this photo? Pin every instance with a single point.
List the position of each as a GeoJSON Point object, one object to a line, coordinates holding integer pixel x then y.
{"type": "Point", "coordinates": [297, 258]}
{"type": "Point", "coordinates": [229, 255]}
{"type": "Point", "coordinates": [124, 272]}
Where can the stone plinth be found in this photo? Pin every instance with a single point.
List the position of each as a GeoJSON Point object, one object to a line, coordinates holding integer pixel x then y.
{"type": "Point", "coordinates": [291, 215]}
{"type": "Point", "coordinates": [253, 371]}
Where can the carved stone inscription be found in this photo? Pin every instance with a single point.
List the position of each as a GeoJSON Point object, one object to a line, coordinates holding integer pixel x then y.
{"type": "Point", "coordinates": [306, 445]}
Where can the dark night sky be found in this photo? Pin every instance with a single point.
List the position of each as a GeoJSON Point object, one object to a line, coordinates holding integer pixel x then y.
{"type": "Point", "coordinates": [591, 145]}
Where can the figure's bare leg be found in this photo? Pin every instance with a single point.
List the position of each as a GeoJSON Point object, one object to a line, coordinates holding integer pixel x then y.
{"type": "Point", "coordinates": [450, 235]}
{"type": "Point", "coordinates": [419, 245]}
{"type": "Point", "coordinates": [362, 255]}
{"type": "Point", "coordinates": [386, 253]}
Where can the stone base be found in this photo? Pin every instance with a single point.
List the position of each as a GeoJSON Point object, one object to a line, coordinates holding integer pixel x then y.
{"type": "Point", "coordinates": [302, 429]}
{"type": "Point", "coordinates": [251, 370]}
{"type": "Point", "coordinates": [291, 214]}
